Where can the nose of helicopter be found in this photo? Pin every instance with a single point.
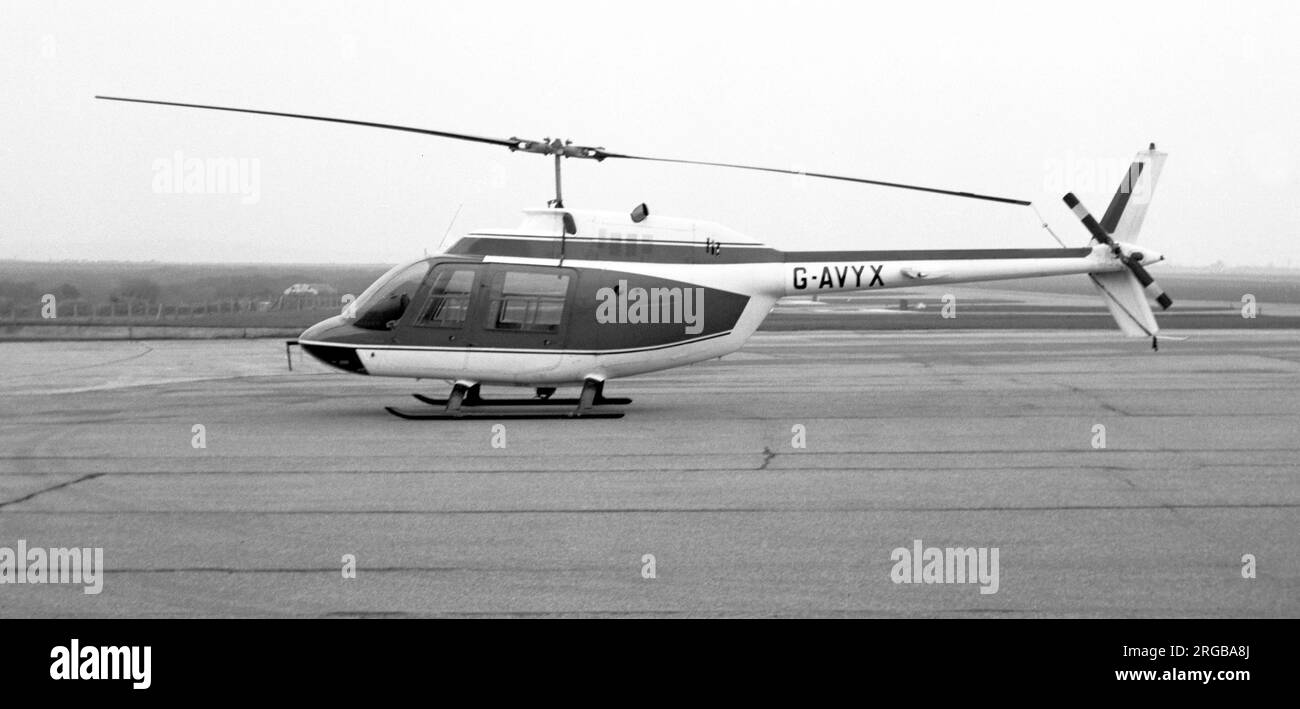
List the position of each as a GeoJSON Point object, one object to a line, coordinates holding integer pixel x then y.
{"type": "Point", "coordinates": [320, 332]}
{"type": "Point", "coordinates": [327, 342]}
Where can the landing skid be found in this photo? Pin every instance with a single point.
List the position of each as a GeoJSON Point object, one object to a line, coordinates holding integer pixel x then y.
{"type": "Point", "coordinates": [523, 402]}
{"type": "Point", "coordinates": [466, 403]}
{"type": "Point", "coordinates": [490, 415]}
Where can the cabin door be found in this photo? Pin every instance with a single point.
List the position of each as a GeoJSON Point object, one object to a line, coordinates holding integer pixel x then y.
{"type": "Point", "coordinates": [520, 316]}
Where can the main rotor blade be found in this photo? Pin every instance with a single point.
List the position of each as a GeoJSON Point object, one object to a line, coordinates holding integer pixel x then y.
{"type": "Point", "coordinates": [954, 193]}
{"type": "Point", "coordinates": [513, 144]}
{"type": "Point", "coordinates": [569, 151]}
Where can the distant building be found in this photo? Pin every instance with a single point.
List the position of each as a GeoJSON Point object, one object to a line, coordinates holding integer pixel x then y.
{"type": "Point", "coordinates": [310, 289]}
{"type": "Point", "coordinates": [307, 295]}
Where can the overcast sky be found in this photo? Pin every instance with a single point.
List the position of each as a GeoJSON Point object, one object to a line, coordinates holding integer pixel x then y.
{"type": "Point", "coordinates": [1024, 101]}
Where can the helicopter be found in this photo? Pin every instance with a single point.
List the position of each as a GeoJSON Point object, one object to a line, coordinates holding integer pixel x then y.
{"type": "Point", "coordinates": [581, 297]}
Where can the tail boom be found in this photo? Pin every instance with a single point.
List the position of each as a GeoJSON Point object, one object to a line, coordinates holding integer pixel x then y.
{"type": "Point", "coordinates": [810, 273]}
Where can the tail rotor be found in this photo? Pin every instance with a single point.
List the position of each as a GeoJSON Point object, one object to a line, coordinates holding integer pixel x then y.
{"type": "Point", "coordinates": [1131, 258]}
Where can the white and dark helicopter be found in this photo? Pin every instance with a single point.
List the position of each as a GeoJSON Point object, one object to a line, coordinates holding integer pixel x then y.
{"type": "Point", "coordinates": [577, 297]}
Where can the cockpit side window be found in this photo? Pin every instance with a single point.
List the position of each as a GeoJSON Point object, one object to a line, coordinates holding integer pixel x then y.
{"type": "Point", "coordinates": [383, 304]}
{"type": "Point", "coordinates": [449, 295]}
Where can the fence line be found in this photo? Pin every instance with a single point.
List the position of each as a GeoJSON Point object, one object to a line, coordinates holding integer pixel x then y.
{"type": "Point", "coordinates": [163, 311]}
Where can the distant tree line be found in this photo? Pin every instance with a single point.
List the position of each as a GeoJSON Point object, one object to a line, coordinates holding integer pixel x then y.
{"type": "Point", "coordinates": [162, 290]}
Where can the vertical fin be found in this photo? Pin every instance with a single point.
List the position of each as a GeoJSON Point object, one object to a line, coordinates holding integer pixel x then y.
{"type": "Point", "coordinates": [1128, 208]}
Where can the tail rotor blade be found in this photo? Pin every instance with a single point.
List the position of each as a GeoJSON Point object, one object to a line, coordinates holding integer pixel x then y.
{"type": "Point", "coordinates": [1144, 277]}
{"type": "Point", "coordinates": [1089, 223]}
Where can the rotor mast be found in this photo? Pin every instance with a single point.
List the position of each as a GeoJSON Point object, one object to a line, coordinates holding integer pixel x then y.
{"type": "Point", "coordinates": [558, 203]}
{"type": "Point", "coordinates": [560, 149]}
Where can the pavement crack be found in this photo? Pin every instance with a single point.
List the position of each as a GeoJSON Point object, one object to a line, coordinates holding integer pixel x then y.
{"type": "Point", "coordinates": [1114, 409]}
{"type": "Point", "coordinates": [52, 488]}
{"type": "Point", "coordinates": [1098, 400]}
{"type": "Point", "coordinates": [119, 360]}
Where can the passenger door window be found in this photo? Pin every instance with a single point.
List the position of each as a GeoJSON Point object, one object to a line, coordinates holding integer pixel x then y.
{"type": "Point", "coordinates": [526, 301]}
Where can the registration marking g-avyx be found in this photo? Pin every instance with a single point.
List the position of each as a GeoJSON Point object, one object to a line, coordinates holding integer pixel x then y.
{"type": "Point", "coordinates": [837, 277]}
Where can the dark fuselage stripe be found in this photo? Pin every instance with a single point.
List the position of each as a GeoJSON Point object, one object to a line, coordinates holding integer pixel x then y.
{"type": "Point", "coordinates": [635, 251]}
{"type": "Point", "coordinates": [614, 241]}
{"type": "Point", "coordinates": [657, 252]}
{"type": "Point", "coordinates": [502, 350]}
{"type": "Point", "coordinates": [935, 255]}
